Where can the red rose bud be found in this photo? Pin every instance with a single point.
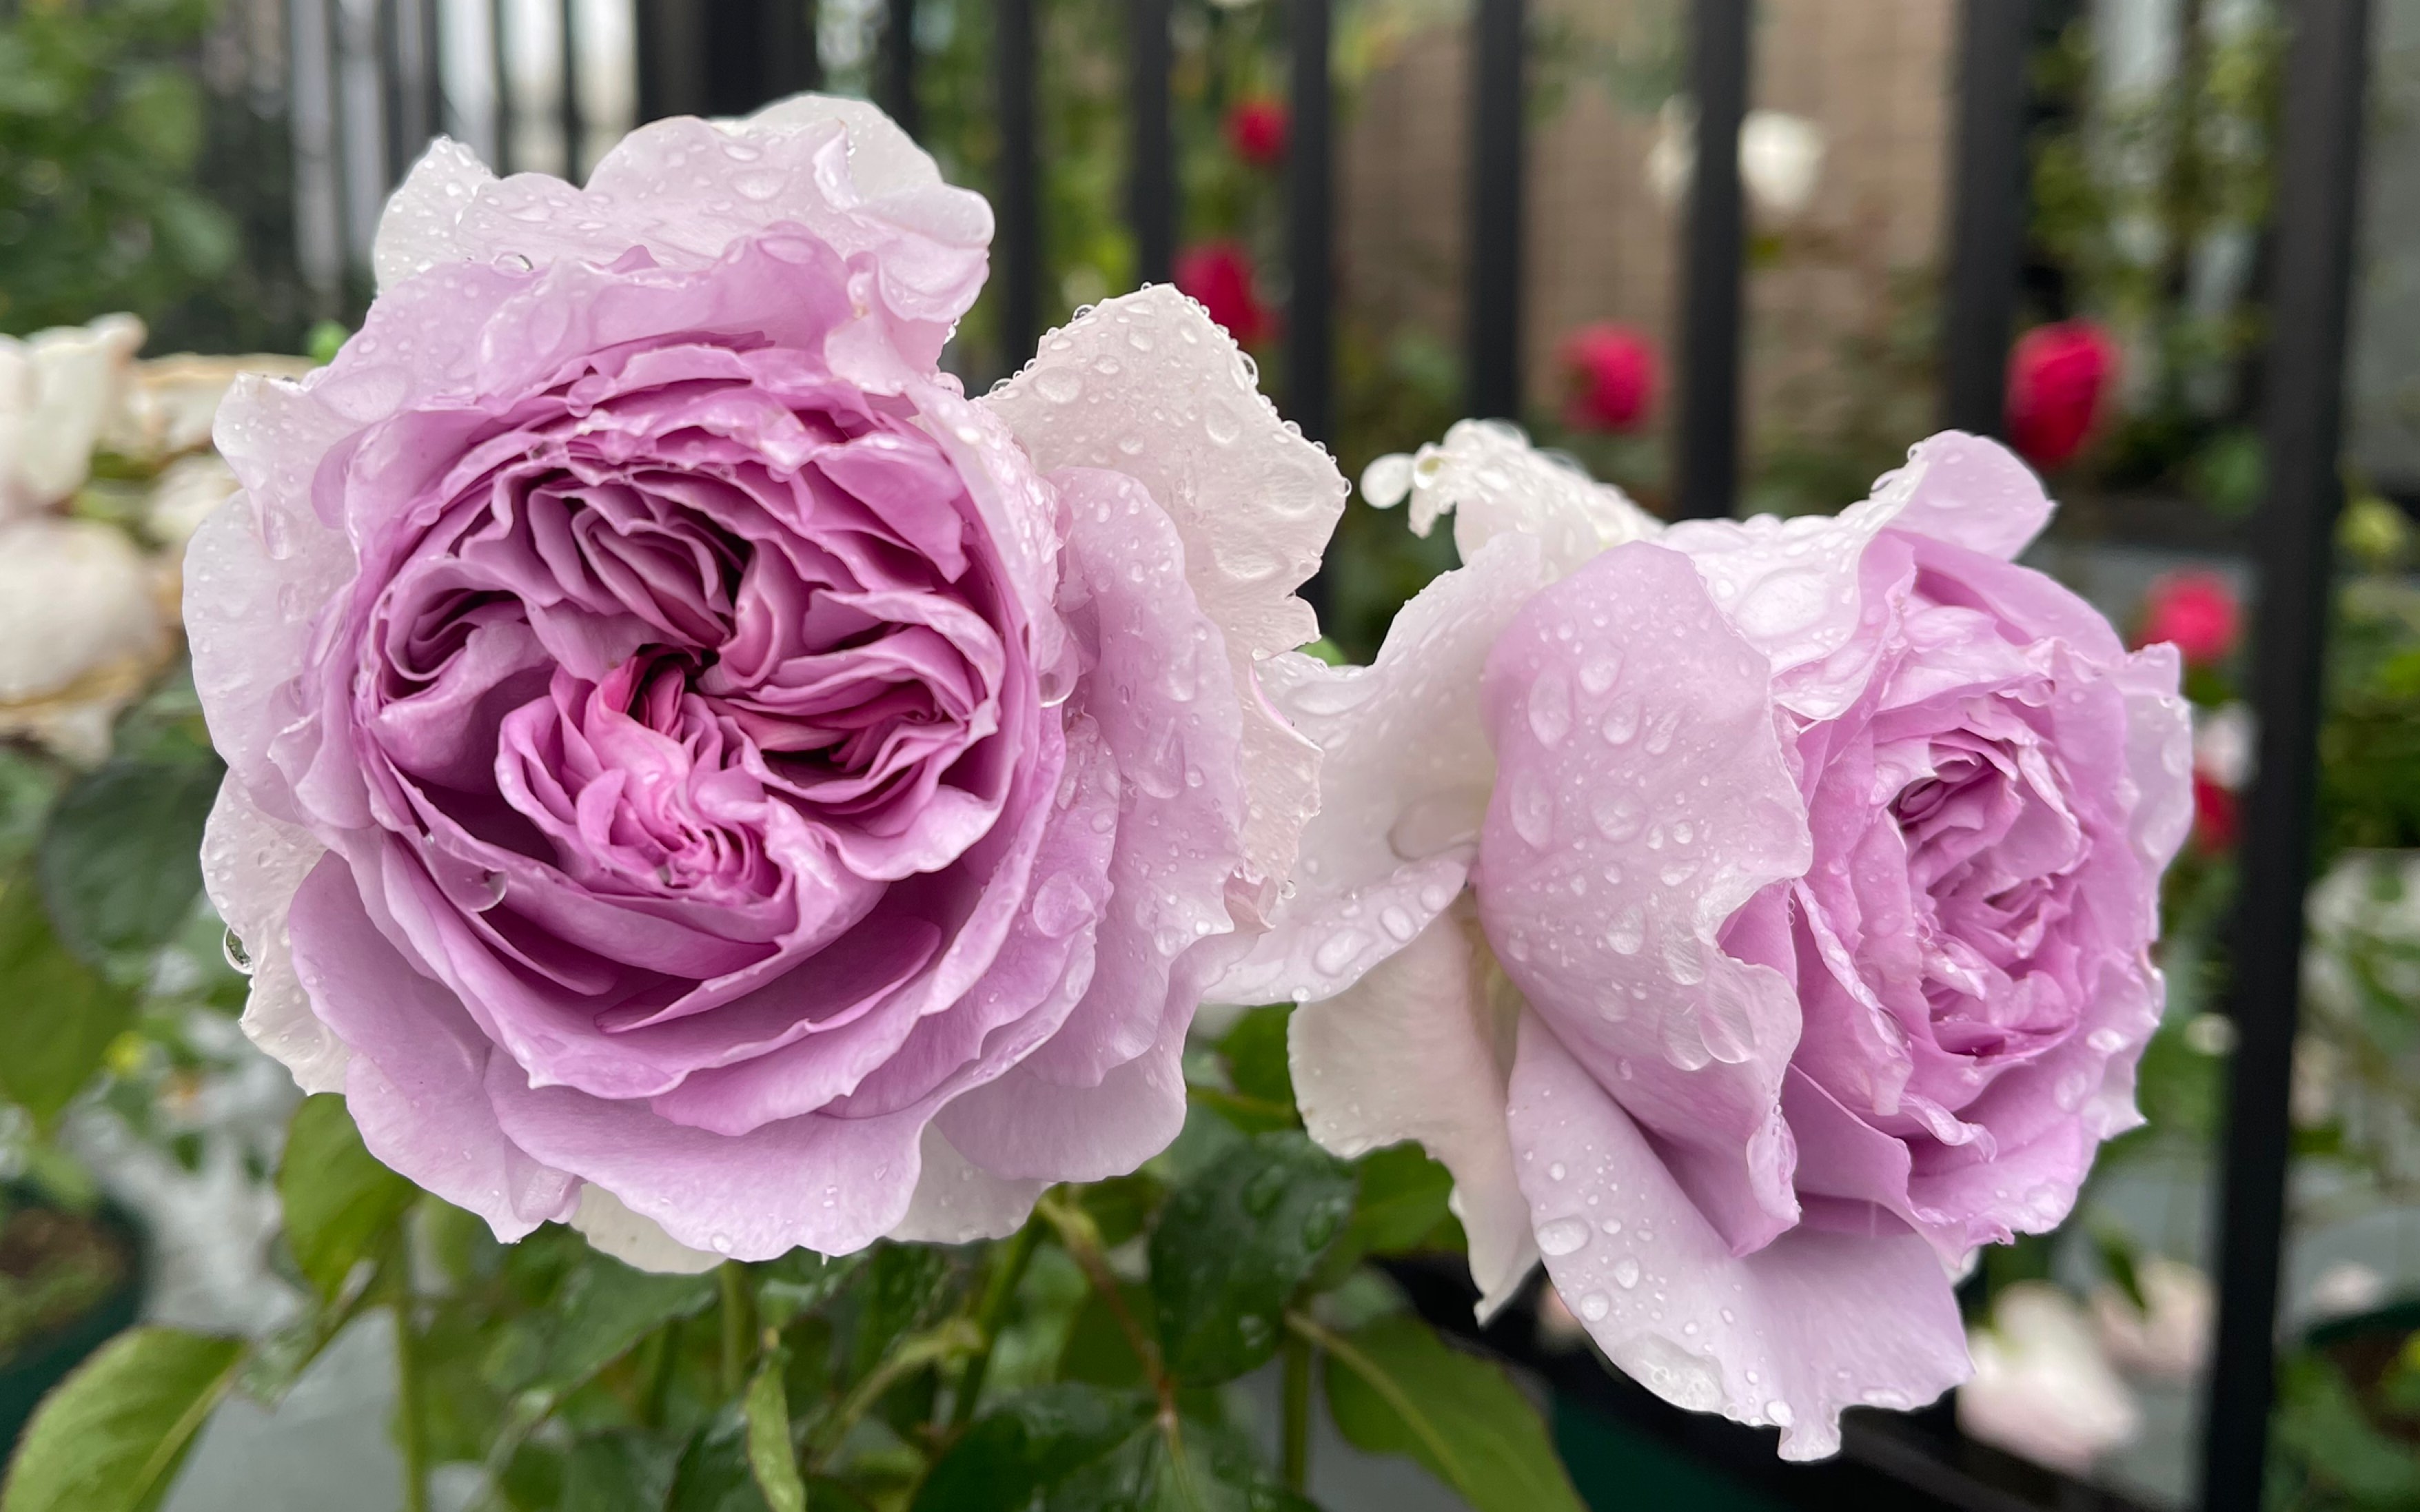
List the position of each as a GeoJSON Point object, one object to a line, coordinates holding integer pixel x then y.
{"type": "Point", "coordinates": [2194, 611]}
{"type": "Point", "coordinates": [1612, 374]}
{"type": "Point", "coordinates": [2058, 375]}
{"type": "Point", "coordinates": [1219, 275]}
{"type": "Point", "coordinates": [1257, 129]}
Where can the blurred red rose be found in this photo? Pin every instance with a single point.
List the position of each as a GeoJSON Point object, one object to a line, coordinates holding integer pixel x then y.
{"type": "Point", "coordinates": [1612, 374]}
{"type": "Point", "coordinates": [2194, 611]}
{"type": "Point", "coordinates": [2216, 820]}
{"type": "Point", "coordinates": [1220, 274]}
{"type": "Point", "coordinates": [2058, 377]}
{"type": "Point", "coordinates": [1257, 129]}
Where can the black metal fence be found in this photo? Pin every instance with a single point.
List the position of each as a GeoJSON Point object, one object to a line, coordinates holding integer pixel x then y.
{"type": "Point", "coordinates": [724, 56]}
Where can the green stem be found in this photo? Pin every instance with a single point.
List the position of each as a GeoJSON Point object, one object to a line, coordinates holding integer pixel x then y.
{"type": "Point", "coordinates": [999, 1291]}
{"type": "Point", "coordinates": [411, 1439]}
{"type": "Point", "coordinates": [1350, 1355]}
{"type": "Point", "coordinates": [1296, 1465]}
{"type": "Point", "coordinates": [663, 1354]}
{"type": "Point", "coordinates": [732, 1279]}
{"type": "Point", "coordinates": [952, 1339]}
{"type": "Point", "coordinates": [1081, 1238]}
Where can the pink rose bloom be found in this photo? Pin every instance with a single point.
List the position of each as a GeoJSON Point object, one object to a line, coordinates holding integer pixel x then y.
{"type": "Point", "coordinates": [691, 772]}
{"type": "Point", "coordinates": [1613, 377]}
{"type": "Point", "coordinates": [1753, 915]}
{"type": "Point", "coordinates": [2197, 613]}
{"type": "Point", "coordinates": [2058, 375]}
{"type": "Point", "coordinates": [1257, 130]}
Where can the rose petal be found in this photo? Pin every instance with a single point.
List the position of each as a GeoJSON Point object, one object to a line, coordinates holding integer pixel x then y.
{"type": "Point", "coordinates": [251, 867]}
{"type": "Point", "coordinates": [1642, 801]}
{"type": "Point", "coordinates": [1405, 773]}
{"type": "Point", "coordinates": [1497, 483]}
{"type": "Point", "coordinates": [1811, 1325]}
{"type": "Point", "coordinates": [615, 1231]}
{"type": "Point", "coordinates": [1145, 384]}
{"type": "Point", "coordinates": [958, 1203]}
{"type": "Point", "coordinates": [1969, 491]}
{"type": "Point", "coordinates": [413, 1080]}
{"type": "Point", "coordinates": [1414, 1050]}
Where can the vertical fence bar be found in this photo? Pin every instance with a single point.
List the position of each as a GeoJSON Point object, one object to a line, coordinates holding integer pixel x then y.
{"type": "Point", "coordinates": [432, 44]}
{"type": "Point", "coordinates": [898, 91]}
{"type": "Point", "coordinates": [2319, 171]}
{"type": "Point", "coordinates": [499, 51]}
{"type": "Point", "coordinates": [789, 27]}
{"type": "Point", "coordinates": [318, 191]}
{"type": "Point", "coordinates": [1492, 346]}
{"type": "Point", "coordinates": [398, 100]}
{"type": "Point", "coordinates": [1018, 186]}
{"type": "Point", "coordinates": [1987, 215]}
{"type": "Point", "coordinates": [1150, 185]}
{"type": "Point", "coordinates": [1711, 264]}
{"type": "Point", "coordinates": [574, 122]}
{"type": "Point", "coordinates": [1311, 223]}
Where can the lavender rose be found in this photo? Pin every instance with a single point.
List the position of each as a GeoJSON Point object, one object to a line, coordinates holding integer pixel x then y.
{"type": "Point", "coordinates": [695, 774]}
{"type": "Point", "coordinates": [1759, 920]}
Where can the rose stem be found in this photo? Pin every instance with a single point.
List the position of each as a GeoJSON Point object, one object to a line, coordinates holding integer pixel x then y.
{"type": "Point", "coordinates": [411, 1438]}
{"type": "Point", "coordinates": [954, 1337]}
{"type": "Point", "coordinates": [1000, 1289]}
{"type": "Point", "coordinates": [1296, 1465]}
{"type": "Point", "coordinates": [732, 1277]}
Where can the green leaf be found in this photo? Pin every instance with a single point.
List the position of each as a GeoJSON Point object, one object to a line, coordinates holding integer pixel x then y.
{"type": "Point", "coordinates": [599, 1313]}
{"type": "Point", "coordinates": [714, 1474]}
{"type": "Point", "coordinates": [109, 1438]}
{"type": "Point", "coordinates": [341, 1205]}
{"type": "Point", "coordinates": [1394, 1387]}
{"type": "Point", "coordinates": [801, 1282]}
{"type": "Point", "coordinates": [1097, 1351]}
{"type": "Point", "coordinates": [120, 863]}
{"type": "Point", "coordinates": [1233, 1244]}
{"type": "Point", "coordinates": [1031, 1443]}
{"type": "Point", "coordinates": [1255, 1052]}
{"type": "Point", "coordinates": [1402, 1199]}
{"type": "Point", "coordinates": [772, 1458]}
{"type": "Point", "coordinates": [60, 1014]}
{"type": "Point", "coordinates": [622, 1470]}
{"type": "Point", "coordinates": [906, 1285]}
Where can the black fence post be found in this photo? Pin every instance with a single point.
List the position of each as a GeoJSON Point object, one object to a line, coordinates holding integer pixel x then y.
{"type": "Point", "coordinates": [897, 93]}
{"type": "Point", "coordinates": [1018, 187]}
{"type": "Point", "coordinates": [1711, 266]}
{"type": "Point", "coordinates": [2319, 171]}
{"type": "Point", "coordinates": [573, 119]}
{"type": "Point", "coordinates": [1151, 171]}
{"type": "Point", "coordinates": [1987, 215]}
{"type": "Point", "coordinates": [1310, 224]}
{"type": "Point", "coordinates": [1493, 347]}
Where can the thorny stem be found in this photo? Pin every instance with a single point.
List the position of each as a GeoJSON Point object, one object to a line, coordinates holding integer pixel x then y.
{"type": "Point", "coordinates": [999, 1290]}
{"type": "Point", "coordinates": [954, 1337]}
{"type": "Point", "coordinates": [1296, 1464]}
{"type": "Point", "coordinates": [1081, 1238]}
{"type": "Point", "coordinates": [732, 1278]}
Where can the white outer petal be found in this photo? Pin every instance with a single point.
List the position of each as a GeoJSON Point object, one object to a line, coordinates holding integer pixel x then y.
{"type": "Point", "coordinates": [634, 1239]}
{"type": "Point", "coordinates": [251, 866]}
{"type": "Point", "coordinates": [1404, 775]}
{"type": "Point", "coordinates": [74, 375]}
{"type": "Point", "coordinates": [1414, 1050]}
{"type": "Point", "coordinates": [1148, 385]}
{"type": "Point", "coordinates": [75, 598]}
{"type": "Point", "coordinates": [1497, 483]}
{"type": "Point", "coordinates": [957, 1201]}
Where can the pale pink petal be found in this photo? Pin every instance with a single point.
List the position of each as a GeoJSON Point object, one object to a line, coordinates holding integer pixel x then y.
{"type": "Point", "coordinates": [615, 1231]}
{"type": "Point", "coordinates": [1147, 385]}
{"type": "Point", "coordinates": [1418, 1049]}
{"type": "Point", "coordinates": [1813, 1324]}
{"type": "Point", "coordinates": [1024, 1128]}
{"type": "Point", "coordinates": [1404, 774]}
{"type": "Point", "coordinates": [958, 1203]}
{"type": "Point", "coordinates": [251, 866]}
{"type": "Point", "coordinates": [1969, 491]}
{"type": "Point", "coordinates": [1497, 483]}
{"type": "Point", "coordinates": [413, 1082]}
{"type": "Point", "coordinates": [1642, 801]}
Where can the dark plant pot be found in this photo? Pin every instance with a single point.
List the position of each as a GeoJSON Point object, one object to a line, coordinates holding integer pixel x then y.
{"type": "Point", "coordinates": [29, 1376]}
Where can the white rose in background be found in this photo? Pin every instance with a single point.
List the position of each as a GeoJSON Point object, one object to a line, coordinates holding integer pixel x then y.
{"type": "Point", "coordinates": [2042, 1387]}
{"type": "Point", "coordinates": [2168, 1336]}
{"type": "Point", "coordinates": [59, 390]}
{"type": "Point", "coordinates": [81, 632]}
{"type": "Point", "coordinates": [1781, 157]}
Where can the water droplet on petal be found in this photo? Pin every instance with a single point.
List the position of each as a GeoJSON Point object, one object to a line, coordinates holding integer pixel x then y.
{"type": "Point", "coordinates": [1562, 1236]}
{"type": "Point", "coordinates": [1625, 1271]}
{"type": "Point", "coordinates": [1595, 1305]}
{"type": "Point", "coordinates": [1550, 708]}
{"type": "Point", "coordinates": [237, 956]}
